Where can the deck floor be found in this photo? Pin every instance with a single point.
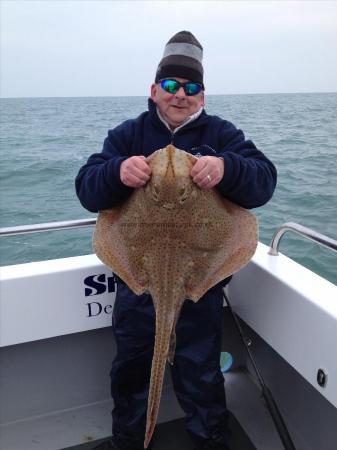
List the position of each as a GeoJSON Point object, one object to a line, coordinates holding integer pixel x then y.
{"type": "Point", "coordinates": [172, 434]}
{"type": "Point", "coordinates": [85, 427]}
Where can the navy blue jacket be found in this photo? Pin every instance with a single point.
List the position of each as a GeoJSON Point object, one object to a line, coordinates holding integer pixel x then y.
{"type": "Point", "coordinates": [249, 178]}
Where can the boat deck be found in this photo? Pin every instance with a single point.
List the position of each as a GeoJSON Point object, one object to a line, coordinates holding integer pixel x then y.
{"type": "Point", "coordinates": [172, 435]}
{"type": "Point", "coordinates": [250, 423]}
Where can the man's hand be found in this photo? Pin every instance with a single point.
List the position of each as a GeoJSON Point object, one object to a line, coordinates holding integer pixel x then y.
{"type": "Point", "coordinates": [208, 171]}
{"type": "Point", "coordinates": [135, 172]}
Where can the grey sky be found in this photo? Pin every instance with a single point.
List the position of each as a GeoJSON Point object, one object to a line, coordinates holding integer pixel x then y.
{"type": "Point", "coordinates": [103, 48]}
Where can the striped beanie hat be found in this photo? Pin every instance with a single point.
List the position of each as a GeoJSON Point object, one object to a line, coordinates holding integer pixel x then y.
{"type": "Point", "coordinates": [182, 58]}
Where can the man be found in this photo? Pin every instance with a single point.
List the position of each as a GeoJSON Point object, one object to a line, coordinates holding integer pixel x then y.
{"type": "Point", "coordinates": [240, 173]}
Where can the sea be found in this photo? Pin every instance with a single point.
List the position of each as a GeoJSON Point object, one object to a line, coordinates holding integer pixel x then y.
{"type": "Point", "coordinates": [44, 142]}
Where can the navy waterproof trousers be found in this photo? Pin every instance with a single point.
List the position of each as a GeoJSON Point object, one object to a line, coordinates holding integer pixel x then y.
{"type": "Point", "coordinates": [196, 374]}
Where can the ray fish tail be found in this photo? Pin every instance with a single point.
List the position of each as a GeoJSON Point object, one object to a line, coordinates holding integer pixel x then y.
{"type": "Point", "coordinates": [164, 325]}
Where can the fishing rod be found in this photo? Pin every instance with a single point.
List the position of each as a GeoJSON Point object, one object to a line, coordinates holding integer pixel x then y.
{"type": "Point", "coordinates": [270, 402]}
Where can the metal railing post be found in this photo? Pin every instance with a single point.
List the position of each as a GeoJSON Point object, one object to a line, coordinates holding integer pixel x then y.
{"type": "Point", "coordinates": [305, 232]}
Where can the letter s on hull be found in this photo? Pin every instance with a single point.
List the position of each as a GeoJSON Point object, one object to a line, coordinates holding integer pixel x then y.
{"type": "Point", "coordinates": [98, 284]}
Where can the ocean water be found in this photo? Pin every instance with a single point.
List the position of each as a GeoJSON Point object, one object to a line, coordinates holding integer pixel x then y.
{"type": "Point", "coordinates": [44, 141]}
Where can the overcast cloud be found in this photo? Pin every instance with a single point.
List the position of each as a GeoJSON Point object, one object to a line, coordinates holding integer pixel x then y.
{"type": "Point", "coordinates": [106, 48]}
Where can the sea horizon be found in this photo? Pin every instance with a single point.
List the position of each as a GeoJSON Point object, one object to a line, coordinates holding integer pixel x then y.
{"type": "Point", "coordinates": [140, 96]}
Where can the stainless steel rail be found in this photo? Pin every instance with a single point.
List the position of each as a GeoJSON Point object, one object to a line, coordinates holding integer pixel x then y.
{"type": "Point", "coordinates": [305, 232]}
{"type": "Point", "coordinates": [49, 226]}
{"type": "Point", "coordinates": [82, 223]}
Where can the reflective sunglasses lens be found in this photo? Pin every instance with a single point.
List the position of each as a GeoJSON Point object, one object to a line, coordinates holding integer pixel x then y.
{"type": "Point", "coordinates": [192, 88]}
{"type": "Point", "coordinates": [170, 86]}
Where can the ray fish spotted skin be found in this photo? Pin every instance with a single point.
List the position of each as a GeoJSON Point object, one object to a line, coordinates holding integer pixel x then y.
{"type": "Point", "coordinates": [174, 241]}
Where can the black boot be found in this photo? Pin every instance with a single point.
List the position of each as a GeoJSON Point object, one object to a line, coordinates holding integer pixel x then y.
{"type": "Point", "coordinates": [109, 445]}
{"type": "Point", "coordinates": [106, 445]}
{"type": "Point", "coordinates": [211, 445]}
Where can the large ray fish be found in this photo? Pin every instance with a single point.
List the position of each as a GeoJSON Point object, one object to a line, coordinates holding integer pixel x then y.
{"type": "Point", "coordinates": [175, 241]}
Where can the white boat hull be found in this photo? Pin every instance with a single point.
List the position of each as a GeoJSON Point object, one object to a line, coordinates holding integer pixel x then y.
{"type": "Point", "coordinates": [56, 349]}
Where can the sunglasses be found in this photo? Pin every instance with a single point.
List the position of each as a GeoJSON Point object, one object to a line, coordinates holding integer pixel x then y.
{"type": "Point", "coordinates": [173, 86]}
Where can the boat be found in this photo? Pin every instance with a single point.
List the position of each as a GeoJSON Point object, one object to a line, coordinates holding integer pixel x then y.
{"type": "Point", "coordinates": [56, 348]}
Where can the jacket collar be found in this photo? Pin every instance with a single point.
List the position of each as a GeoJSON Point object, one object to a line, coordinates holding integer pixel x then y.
{"type": "Point", "coordinates": [188, 120]}
{"type": "Point", "coordinates": [194, 121]}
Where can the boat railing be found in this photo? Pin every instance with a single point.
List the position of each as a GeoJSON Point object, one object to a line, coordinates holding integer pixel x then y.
{"type": "Point", "coordinates": [305, 232]}
{"type": "Point", "coordinates": [296, 228]}
{"type": "Point", "coordinates": [49, 226]}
